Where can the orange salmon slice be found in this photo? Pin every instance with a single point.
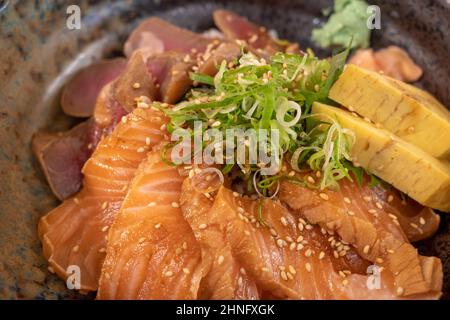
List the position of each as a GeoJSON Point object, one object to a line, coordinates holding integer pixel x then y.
{"type": "Point", "coordinates": [152, 252]}
{"type": "Point", "coordinates": [74, 233]}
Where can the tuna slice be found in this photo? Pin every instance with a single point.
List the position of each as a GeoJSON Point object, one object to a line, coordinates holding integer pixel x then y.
{"type": "Point", "coordinates": [135, 82]}
{"type": "Point", "coordinates": [79, 95]}
{"type": "Point", "coordinates": [287, 259]}
{"type": "Point", "coordinates": [157, 36]}
{"type": "Point", "coordinates": [74, 232]}
{"type": "Point", "coordinates": [371, 224]}
{"type": "Point", "coordinates": [171, 73]}
{"type": "Point", "coordinates": [227, 51]}
{"type": "Point", "coordinates": [62, 156]}
{"type": "Point", "coordinates": [236, 27]}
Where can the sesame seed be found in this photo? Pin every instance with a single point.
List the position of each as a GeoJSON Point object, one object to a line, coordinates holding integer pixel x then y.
{"type": "Point", "coordinates": [220, 260]}
{"type": "Point", "coordinates": [76, 248]}
{"type": "Point", "coordinates": [136, 85]}
{"type": "Point", "coordinates": [104, 205]}
{"type": "Point", "coordinates": [76, 200]}
{"type": "Point", "coordinates": [347, 200]}
{"type": "Point", "coordinates": [324, 196]}
{"type": "Point", "coordinates": [422, 221]}
{"type": "Point", "coordinates": [390, 198]}
{"type": "Point", "coordinates": [289, 275]}
{"type": "Point", "coordinates": [390, 251]}
{"type": "Point", "coordinates": [215, 124]}
{"type": "Point", "coordinates": [301, 226]}
{"type": "Point", "coordinates": [247, 233]}
{"type": "Point", "coordinates": [178, 251]}
{"type": "Point", "coordinates": [400, 291]}
{"type": "Point", "coordinates": [151, 204]}
{"type": "Point", "coordinates": [284, 275]}
{"type": "Point", "coordinates": [168, 273]}
{"type": "Point", "coordinates": [345, 282]}
{"type": "Point", "coordinates": [158, 225]}
{"type": "Point", "coordinates": [141, 150]}
{"type": "Point", "coordinates": [50, 269]}
{"type": "Point", "coordinates": [379, 205]}
{"type": "Point", "coordinates": [308, 253]}
{"type": "Point", "coordinates": [202, 226]}
{"type": "Point", "coordinates": [318, 174]}
{"type": "Point", "coordinates": [372, 211]}
{"type": "Point", "coordinates": [415, 226]}
{"type": "Point", "coordinates": [366, 198]}
{"type": "Point", "coordinates": [311, 179]}
{"type": "Point", "coordinates": [184, 245]}
{"type": "Point", "coordinates": [235, 194]}
{"type": "Point", "coordinates": [240, 210]}
{"type": "Point", "coordinates": [393, 217]}
{"type": "Point", "coordinates": [292, 269]}
{"type": "Point", "coordinates": [308, 267]}
{"type": "Point", "coordinates": [148, 141]}
{"type": "Point", "coordinates": [101, 250]}
{"type": "Point", "coordinates": [240, 281]}
{"type": "Point", "coordinates": [163, 127]}
{"type": "Point", "coordinates": [284, 221]}
{"type": "Point", "coordinates": [242, 271]}
{"type": "Point", "coordinates": [342, 274]}
{"type": "Point", "coordinates": [335, 254]}
{"type": "Point", "coordinates": [291, 174]}
{"type": "Point", "coordinates": [141, 240]}
{"type": "Point", "coordinates": [289, 239]}
{"type": "Point", "coordinates": [299, 239]}
{"type": "Point", "coordinates": [175, 204]}
{"type": "Point", "coordinates": [309, 227]}
{"type": "Point", "coordinates": [186, 270]}
{"type": "Point", "coordinates": [280, 243]}
{"type": "Point", "coordinates": [366, 249]}
{"type": "Point", "coordinates": [264, 269]}
{"type": "Point", "coordinates": [350, 213]}
{"type": "Point", "coordinates": [300, 246]}
{"type": "Point", "coordinates": [124, 119]}
{"type": "Point", "coordinates": [321, 255]}
{"type": "Point", "coordinates": [379, 260]}
{"type": "Point", "coordinates": [105, 228]}
{"type": "Point", "coordinates": [273, 232]}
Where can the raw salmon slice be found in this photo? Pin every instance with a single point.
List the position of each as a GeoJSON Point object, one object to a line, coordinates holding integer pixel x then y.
{"type": "Point", "coordinates": [75, 232]}
{"type": "Point", "coordinates": [152, 252]}
{"type": "Point", "coordinates": [289, 259]}
{"type": "Point", "coordinates": [363, 218]}
{"type": "Point", "coordinates": [225, 278]}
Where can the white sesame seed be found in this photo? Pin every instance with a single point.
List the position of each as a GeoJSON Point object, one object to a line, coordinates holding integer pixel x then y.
{"type": "Point", "coordinates": [400, 291]}
{"type": "Point", "coordinates": [76, 248]}
{"type": "Point", "coordinates": [366, 249]}
{"type": "Point", "coordinates": [220, 260]}
{"type": "Point", "coordinates": [415, 226]}
{"type": "Point", "coordinates": [291, 173]}
{"type": "Point", "coordinates": [202, 226]}
{"type": "Point", "coordinates": [151, 204]}
{"type": "Point", "coordinates": [104, 205]}
{"type": "Point", "coordinates": [158, 225]}
{"type": "Point", "coordinates": [345, 282]}
{"type": "Point", "coordinates": [240, 281]}
{"type": "Point", "coordinates": [186, 270]}
{"type": "Point", "coordinates": [136, 85]}
{"type": "Point", "coordinates": [292, 269]}
{"type": "Point", "coordinates": [321, 255]}
{"type": "Point", "coordinates": [308, 267]}
{"type": "Point", "coordinates": [141, 240]}
{"type": "Point", "coordinates": [280, 243]}
{"type": "Point", "coordinates": [367, 198]}
{"type": "Point", "coordinates": [235, 194]}
{"type": "Point", "coordinates": [347, 200]}
{"type": "Point", "coordinates": [379, 205]}
{"type": "Point", "coordinates": [273, 232]}
{"type": "Point", "coordinates": [215, 124]}
{"type": "Point", "coordinates": [283, 275]}
{"type": "Point", "coordinates": [372, 211]}
{"type": "Point", "coordinates": [76, 200]}
{"type": "Point", "coordinates": [379, 260]}
{"type": "Point", "coordinates": [324, 196]}
{"type": "Point", "coordinates": [284, 221]}
{"type": "Point", "coordinates": [335, 254]}
{"type": "Point", "coordinates": [299, 239]}
{"type": "Point", "coordinates": [168, 273]}
{"type": "Point", "coordinates": [105, 228]}
{"type": "Point", "coordinates": [390, 198]}
{"type": "Point", "coordinates": [184, 245]}
{"type": "Point", "coordinates": [141, 150]}
{"type": "Point", "coordinates": [124, 119]}
{"type": "Point", "coordinates": [292, 246]}
{"type": "Point", "coordinates": [350, 213]}
{"type": "Point", "coordinates": [308, 253]}
{"type": "Point", "coordinates": [175, 204]}
{"type": "Point", "coordinates": [242, 271]}
{"type": "Point", "coordinates": [148, 141]}
{"type": "Point", "coordinates": [163, 127]}
{"type": "Point", "coordinates": [422, 221]}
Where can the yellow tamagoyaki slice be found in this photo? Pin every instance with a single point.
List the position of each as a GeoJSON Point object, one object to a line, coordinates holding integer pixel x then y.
{"type": "Point", "coordinates": [410, 113]}
{"type": "Point", "coordinates": [402, 164]}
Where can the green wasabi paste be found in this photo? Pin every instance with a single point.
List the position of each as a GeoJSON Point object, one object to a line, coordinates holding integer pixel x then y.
{"type": "Point", "coordinates": [349, 20]}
